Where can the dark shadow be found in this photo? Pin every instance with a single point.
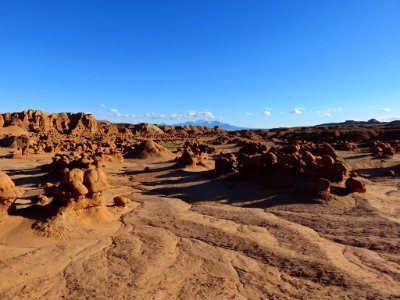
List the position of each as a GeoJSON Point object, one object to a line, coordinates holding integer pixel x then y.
{"type": "Point", "coordinates": [34, 171]}
{"type": "Point", "coordinates": [31, 177]}
{"type": "Point", "coordinates": [37, 212]}
{"type": "Point", "coordinates": [359, 156]}
{"type": "Point", "coordinates": [280, 200]}
{"type": "Point", "coordinates": [232, 189]}
{"type": "Point", "coordinates": [339, 191]}
{"type": "Point", "coordinates": [151, 170]}
{"type": "Point", "coordinates": [377, 172]}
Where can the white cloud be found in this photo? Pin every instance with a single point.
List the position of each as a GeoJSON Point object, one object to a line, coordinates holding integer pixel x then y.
{"type": "Point", "coordinates": [267, 112]}
{"type": "Point", "coordinates": [102, 105]}
{"type": "Point", "coordinates": [248, 114]}
{"type": "Point", "coordinates": [384, 109]}
{"type": "Point", "coordinates": [207, 115]}
{"type": "Point", "coordinates": [200, 115]}
{"type": "Point", "coordinates": [191, 114]}
{"type": "Point", "coordinates": [334, 109]}
{"type": "Point", "coordinates": [151, 115]}
{"type": "Point", "coordinates": [324, 114]}
{"type": "Point", "coordinates": [113, 110]}
{"type": "Point", "coordinates": [175, 116]}
{"type": "Point", "coordinates": [297, 111]}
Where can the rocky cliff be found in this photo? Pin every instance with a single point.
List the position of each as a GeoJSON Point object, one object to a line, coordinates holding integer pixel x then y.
{"type": "Point", "coordinates": [45, 123]}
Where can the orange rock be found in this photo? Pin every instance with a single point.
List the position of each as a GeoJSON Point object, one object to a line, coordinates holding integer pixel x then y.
{"type": "Point", "coordinates": [355, 186]}
{"type": "Point", "coordinates": [95, 180]}
{"type": "Point", "coordinates": [121, 201]}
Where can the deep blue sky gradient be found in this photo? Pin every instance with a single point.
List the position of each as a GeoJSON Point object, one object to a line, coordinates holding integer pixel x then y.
{"type": "Point", "coordinates": [249, 63]}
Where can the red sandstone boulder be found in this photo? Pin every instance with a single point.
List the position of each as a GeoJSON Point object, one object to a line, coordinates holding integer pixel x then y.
{"type": "Point", "coordinates": [355, 186]}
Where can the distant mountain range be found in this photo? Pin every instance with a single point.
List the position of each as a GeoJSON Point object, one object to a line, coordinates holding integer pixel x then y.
{"type": "Point", "coordinates": [369, 122]}
{"type": "Point", "coordinates": [211, 124]}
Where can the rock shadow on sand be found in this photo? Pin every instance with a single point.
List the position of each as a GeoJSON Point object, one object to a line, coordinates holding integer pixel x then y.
{"type": "Point", "coordinates": [204, 186]}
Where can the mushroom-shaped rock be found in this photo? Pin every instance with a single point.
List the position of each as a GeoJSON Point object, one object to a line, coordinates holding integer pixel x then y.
{"type": "Point", "coordinates": [121, 201]}
{"type": "Point", "coordinates": [8, 193]}
{"type": "Point", "coordinates": [73, 180]}
{"type": "Point", "coordinates": [41, 200]}
{"type": "Point", "coordinates": [322, 184]}
{"type": "Point", "coordinates": [187, 158]}
{"type": "Point", "coordinates": [339, 172]}
{"type": "Point", "coordinates": [330, 151]}
{"type": "Point", "coordinates": [225, 163]}
{"type": "Point", "coordinates": [389, 151]}
{"type": "Point", "coordinates": [95, 180]}
{"type": "Point", "coordinates": [325, 160]}
{"type": "Point", "coordinates": [308, 157]}
{"type": "Point", "coordinates": [355, 186]}
{"type": "Point", "coordinates": [8, 190]}
{"type": "Point", "coordinates": [270, 158]}
{"type": "Point", "coordinates": [376, 150]}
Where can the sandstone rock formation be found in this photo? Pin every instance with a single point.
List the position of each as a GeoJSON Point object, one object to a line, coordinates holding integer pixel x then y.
{"type": "Point", "coordinates": [95, 180]}
{"type": "Point", "coordinates": [121, 201]}
{"type": "Point", "coordinates": [148, 149]}
{"type": "Point", "coordinates": [63, 123]}
{"type": "Point", "coordinates": [225, 163]}
{"type": "Point", "coordinates": [355, 186]}
{"type": "Point", "coordinates": [8, 193]}
{"type": "Point", "coordinates": [385, 149]}
{"type": "Point", "coordinates": [79, 188]}
{"type": "Point", "coordinates": [288, 164]}
{"type": "Point", "coordinates": [193, 154]}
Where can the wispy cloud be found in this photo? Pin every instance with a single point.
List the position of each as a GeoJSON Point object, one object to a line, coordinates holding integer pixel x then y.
{"type": "Point", "coordinates": [267, 112]}
{"type": "Point", "coordinates": [325, 114]}
{"type": "Point", "coordinates": [297, 111]}
{"type": "Point", "coordinates": [102, 105]}
{"type": "Point", "coordinates": [248, 114]}
{"type": "Point", "coordinates": [207, 115]}
{"type": "Point", "coordinates": [385, 109]}
{"type": "Point", "coordinates": [175, 116]}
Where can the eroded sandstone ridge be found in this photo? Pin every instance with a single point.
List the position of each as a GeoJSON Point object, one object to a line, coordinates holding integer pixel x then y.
{"type": "Point", "coordinates": [45, 123]}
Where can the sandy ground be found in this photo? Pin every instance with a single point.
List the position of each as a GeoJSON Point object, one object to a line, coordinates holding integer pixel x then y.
{"type": "Point", "coordinates": [190, 235]}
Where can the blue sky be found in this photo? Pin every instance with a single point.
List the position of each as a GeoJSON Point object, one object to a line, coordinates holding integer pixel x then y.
{"type": "Point", "coordinates": [249, 63]}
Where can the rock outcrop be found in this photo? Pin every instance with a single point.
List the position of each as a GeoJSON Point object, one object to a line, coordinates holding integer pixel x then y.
{"type": "Point", "coordinates": [79, 189]}
{"type": "Point", "coordinates": [8, 193]}
{"type": "Point", "coordinates": [193, 154]}
{"type": "Point", "coordinates": [63, 123]}
{"type": "Point", "coordinates": [147, 149]}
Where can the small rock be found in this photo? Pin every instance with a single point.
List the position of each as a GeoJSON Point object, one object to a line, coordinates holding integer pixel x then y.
{"type": "Point", "coordinates": [41, 200]}
{"type": "Point", "coordinates": [355, 185]}
{"type": "Point", "coordinates": [121, 201]}
{"type": "Point", "coordinates": [321, 185]}
{"type": "Point", "coordinates": [390, 173]}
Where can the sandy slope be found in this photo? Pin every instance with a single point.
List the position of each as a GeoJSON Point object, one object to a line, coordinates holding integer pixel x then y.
{"type": "Point", "coordinates": [224, 240]}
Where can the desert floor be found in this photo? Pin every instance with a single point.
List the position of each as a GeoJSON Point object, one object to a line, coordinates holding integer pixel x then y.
{"type": "Point", "coordinates": [191, 235]}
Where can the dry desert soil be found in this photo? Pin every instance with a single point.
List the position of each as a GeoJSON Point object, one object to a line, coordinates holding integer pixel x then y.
{"type": "Point", "coordinates": [191, 233]}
